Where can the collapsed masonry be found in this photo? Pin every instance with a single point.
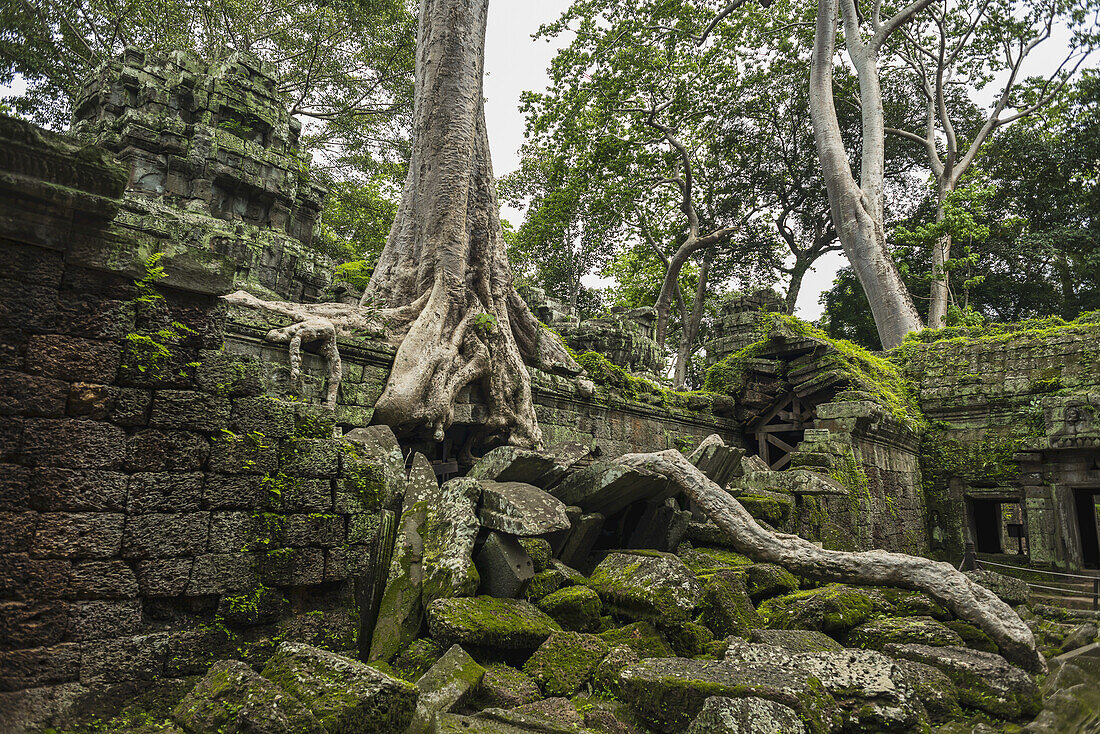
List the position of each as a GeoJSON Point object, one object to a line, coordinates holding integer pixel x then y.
{"type": "Point", "coordinates": [172, 498]}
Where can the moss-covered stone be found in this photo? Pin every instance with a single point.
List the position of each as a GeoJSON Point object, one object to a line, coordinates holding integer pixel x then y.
{"type": "Point", "coordinates": [689, 639]}
{"type": "Point", "coordinates": [904, 603]}
{"type": "Point", "coordinates": [539, 550]}
{"type": "Point", "coordinates": [775, 511]}
{"type": "Point", "coordinates": [605, 678]}
{"type": "Point", "coordinates": [833, 609]}
{"type": "Point", "coordinates": [797, 641]}
{"type": "Point", "coordinates": [705, 561]}
{"type": "Point", "coordinates": [973, 637]}
{"type": "Point", "coordinates": [641, 637]}
{"type": "Point", "coordinates": [983, 681]}
{"type": "Point", "coordinates": [670, 693]}
{"type": "Point", "coordinates": [346, 696]}
{"type": "Point", "coordinates": [504, 687]}
{"type": "Point", "coordinates": [655, 587]}
{"type": "Point", "coordinates": [765, 580]}
{"type": "Point", "coordinates": [575, 608]}
{"type": "Point", "coordinates": [505, 625]}
{"type": "Point", "coordinates": [543, 583]}
{"type": "Point", "coordinates": [565, 661]}
{"type": "Point", "coordinates": [233, 698]}
{"type": "Point", "coordinates": [415, 660]}
{"type": "Point", "coordinates": [726, 608]}
{"type": "Point", "coordinates": [875, 634]}
{"type": "Point", "coordinates": [934, 689]}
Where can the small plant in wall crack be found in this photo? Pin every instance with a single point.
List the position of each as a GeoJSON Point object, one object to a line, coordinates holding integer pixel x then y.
{"type": "Point", "coordinates": [148, 351]}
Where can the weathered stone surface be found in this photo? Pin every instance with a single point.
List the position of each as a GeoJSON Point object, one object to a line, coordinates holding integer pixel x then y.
{"type": "Point", "coordinates": [485, 622]}
{"type": "Point", "coordinates": [608, 488]}
{"type": "Point", "coordinates": [346, 696]}
{"type": "Point", "coordinates": [605, 678]}
{"type": "Point", "coordinates": [575, 608]}
{"type": "Point", "coordinates": [540, 552]}
{"type": "Point", "coordinates": [446, 685]}
{"type": "Point", "coordinates": [581, 539]}
{"type": "Point", "coordinates": [542, 469]}
{"type": "Point", "coordinates": [1011, 590]}
{"type": "Point", "coordinates": [458, 724]}
{"type": "Point", "coordinates": [833, 609]}
{"type": "Point", "coordinates": [873, 692]}
{"type": "Point", "coordinates": [641, 637]}
{"type": "Point", "coordinates": [716, 460]}
{"type": "Point", "coordinates": [705, 561]}
{"type": "Point", "coordinates": [434, 543]}
{"type": "Point", "coordinates": [874, 635]}
{"type": "Point", "coordinates": [416, 659]}
{"type": "Point", "coordinates": [504, 566]}
{"type": "Point", "coordinates": [505, 687]}
{"type": "Point", "coordinates": [934, 689]}
{"type": "Point", "coordinates": [749, 715]}
{"type": "Point", "coordinates": [565, 661]}
{"type": "Point", "coordinates": [374, 471]}
{"type": "Point", "coordinates": [556, 710]}
{"type": "Point", "coordinates": [767, 580]}
{"type": "Point", "coordinates": [660, 527]}
{"type": "Point", "coordinates": [725, 607]}
{"type": "Point", "coordinates": [797, 640]}
{"type": "Point", "coordinates": [984, 680]}
{"type": "Point", "coordinates": [655, 587]}
{"type": "Point", "coordinates": [520, 509]}
{"type": "Point", "coordinates": [231, 698]}
{"type": "Point", "coordinates": [670, 692]}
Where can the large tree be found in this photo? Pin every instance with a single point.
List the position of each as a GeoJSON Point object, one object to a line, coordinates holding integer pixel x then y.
{"type": "Point", "coordinates": [955, 49]}
{"type": "Point", "coordinates": [443, 286]}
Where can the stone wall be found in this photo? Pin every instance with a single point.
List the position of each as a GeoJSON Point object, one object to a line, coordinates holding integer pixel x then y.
{"type": "Point", "coordinates": [157, 510]}
{"type": "Point", "coordinates": [1012, 420]}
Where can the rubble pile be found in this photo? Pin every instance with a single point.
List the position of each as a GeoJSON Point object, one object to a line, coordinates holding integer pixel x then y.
{"type": "Point", "coordinates": [555, 592]}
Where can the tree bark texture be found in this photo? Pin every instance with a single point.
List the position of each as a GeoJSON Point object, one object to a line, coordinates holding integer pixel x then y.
{"type": "Point", "coordinates": [443, 286]}
{"type": "Point", "coordinates": [940, 290]}
{"type": "Point", "coordinates": [857, 208]}
{"type": "Point", "coordinates": [951, 588]}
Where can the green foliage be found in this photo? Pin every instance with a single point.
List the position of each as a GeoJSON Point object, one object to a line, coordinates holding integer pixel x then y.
{"type": "Point", "coordinates": [355, 273]}
{"type": "Point", "coordinates": [150, 351]}
{"type": "Point", "coordinates": [486, 322]}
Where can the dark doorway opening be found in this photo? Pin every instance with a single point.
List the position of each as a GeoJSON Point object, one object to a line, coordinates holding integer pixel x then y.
{"type": "Point", "coordinates": [987, 525]}
{"type": "Point", "coordinates": [1088, 518]}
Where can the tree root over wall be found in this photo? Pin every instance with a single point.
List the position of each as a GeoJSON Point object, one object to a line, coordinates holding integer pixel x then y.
{"type": "Point", "coordinates": [967, 600]}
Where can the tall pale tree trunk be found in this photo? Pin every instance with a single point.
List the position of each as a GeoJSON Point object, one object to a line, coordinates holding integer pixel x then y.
{"type": "Point", "coordinates": [690, 332]}
{"type": "Point", "coordinates": [444, 264]}
{"type": "Point", "coordinates": [857, 207]}
{"type": "Point", "coordinates": [940, 294]}
{"type": "Point", "coordinates": [794, 287]}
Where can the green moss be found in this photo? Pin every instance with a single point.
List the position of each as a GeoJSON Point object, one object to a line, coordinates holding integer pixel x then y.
{"type": "Point", "coordinates": [543, 583]}
{"type": "Point", "coordinates": [706, 561]}
{"type": "Point", "coordinates": [833, 609]}
{"type": "Point", "coordinates": [771, 510]}
{"type": "Point", "coordinates": [641, 637]}
{"type": "Point", "coordinates": [604, 372]}
{"type": "Point", "coordinates": [972, 637]}
{"type": "Point", "coordinates": [363, 479]}
{"type": "Point", "coordinates": [690, 639]}
{"type": "Point", "coordinates": [565, 661]}
{"type": "Point", "coordinates": [575, 608]}
{"type": "Point", "coordinates": [868, 377]}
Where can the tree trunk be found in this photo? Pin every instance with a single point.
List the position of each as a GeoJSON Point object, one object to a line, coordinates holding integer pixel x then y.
{"type": "Point", "coordinates": [690, 332]}
{"type": "Point", "coordinates": [940, 292]}
{"type": "Point", "coordinates": [966, 599]}
{"type": "Point", "coordinates": [668, 285]}
{"type": "Point", "coordinates": [857, 208]}
{"type": "Point", "coordinates": [798, 272]}
{"type": "Point", "coordinates": [443, 287]}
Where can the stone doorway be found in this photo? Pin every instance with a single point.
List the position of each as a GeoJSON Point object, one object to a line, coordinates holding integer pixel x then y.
{"type": "Point", "coordinates": [1087, 502]}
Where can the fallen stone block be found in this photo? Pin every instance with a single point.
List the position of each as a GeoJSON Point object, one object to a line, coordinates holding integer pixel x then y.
{"type": "Point", "coordinates": [232, 698]}
{"type": "Point", "coordinates": [716, 460]}
{"type": "Point", "coordinates": [575, 608]}
{"type": "Point", "coordinates": [725, 607]}
{"type": "Point", "coordinates": [660, 528]}
{"type": "Point", "coordinates": [934, 689]}
{"type": "Point", "coordinates": [446, 685]}
{"type": "Point", "coordinates": [984, 681]}
{"type": "Point", "coordinates": [669, 693]}
{"type": "Point", "coordinates": [504, 567]}
{"type": "Point", "coordinates": [658, 587]}
{"type": "Point", "coordinates": [877, 633]}
{"type": "Point", "coordinates": [1012, 591]}
{"type": "Point", "coordinates": [520, 509]}
{"type": "Point", "coordinates": [749, 715]}
{"type": "Point", "coordinates": [346, 696]}
{"type": "Point", "coordinates": [608, 488]}
{"type": "Point", "coordinates": [505, 687]}
{"type": "Point", "coordinates": [542, 469]}
{"type": "Point", "coordinates": [797, 640]}
{"type": "Point", "coordinates": [503, 625]}
{"type": "Point", "coordinates": [565, 661]}
{"type": "Point", "coordinates": [582, 539]}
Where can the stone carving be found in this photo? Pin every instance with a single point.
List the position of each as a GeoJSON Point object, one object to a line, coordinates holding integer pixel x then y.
{"type": "Point", "coordinates": [1072, 421]}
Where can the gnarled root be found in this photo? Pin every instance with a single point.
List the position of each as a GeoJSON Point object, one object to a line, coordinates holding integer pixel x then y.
{"type": "Point", "coordinates": [318, 322]}
{"type": "Point", "coordinates": [966, 599]}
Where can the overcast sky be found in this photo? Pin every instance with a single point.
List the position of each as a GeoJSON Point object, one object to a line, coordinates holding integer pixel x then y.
{"type": "Point", "coordinates": [515, 63]}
